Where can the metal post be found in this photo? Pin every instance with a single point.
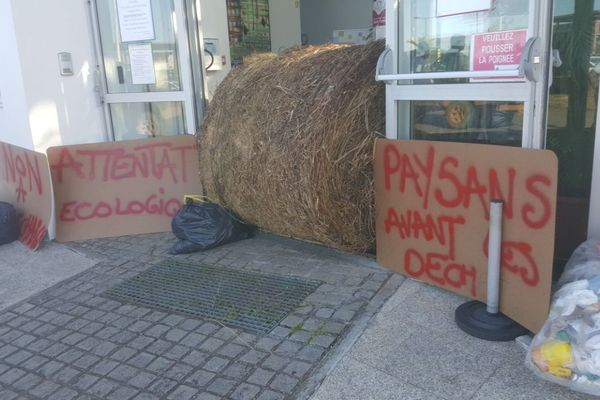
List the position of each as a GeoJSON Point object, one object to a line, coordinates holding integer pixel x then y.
{"type": "Point", "coordinates": [494, 256]}
{"type": "Point", "coordinates": [477, 318]}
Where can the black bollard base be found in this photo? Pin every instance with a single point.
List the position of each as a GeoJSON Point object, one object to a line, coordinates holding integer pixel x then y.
{"type": "Point", "coordinates": [473, 318]}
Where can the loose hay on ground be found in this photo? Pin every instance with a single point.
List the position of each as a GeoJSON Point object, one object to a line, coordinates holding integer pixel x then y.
{"type": "Point", "coordinates": [287, 143]}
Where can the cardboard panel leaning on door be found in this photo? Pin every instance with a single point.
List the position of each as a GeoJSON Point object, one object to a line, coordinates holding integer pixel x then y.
{"type": "Point", "coordinates": [25, 183]}
{"type": "Point", "coordinates": [121, 188]}
{"type": "Point", "coordinates": [432, 202]}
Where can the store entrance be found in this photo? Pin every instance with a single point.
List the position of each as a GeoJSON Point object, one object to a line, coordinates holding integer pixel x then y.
{"type": "Point", "coordinates": [145, 57]}
{"type": "Point", "coordinates": [468, 71]}
{"type": "Point", "coordinates": [486, 72]}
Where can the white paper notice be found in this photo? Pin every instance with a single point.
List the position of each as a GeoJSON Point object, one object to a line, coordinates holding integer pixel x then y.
{"type": "Point", "coordinates": [142, 64]}
{"type": "Point", "coordinates": [135, 20]}
{"type": "Point", "coordinates": [453, 7]}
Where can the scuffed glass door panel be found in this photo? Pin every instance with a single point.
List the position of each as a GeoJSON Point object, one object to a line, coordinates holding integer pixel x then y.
{"type": "Point", "coordinates": [117, 54]}
{"type": "Point", "coordinates": [484, 122]}
{"type": "Point", "coordinates": [145, 120]}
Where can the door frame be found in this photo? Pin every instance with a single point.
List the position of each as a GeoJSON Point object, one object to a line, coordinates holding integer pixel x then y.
{"type": "Point", "coordinates": [534, 95]}
{"type": "Point", "coordinates": [193, 107]}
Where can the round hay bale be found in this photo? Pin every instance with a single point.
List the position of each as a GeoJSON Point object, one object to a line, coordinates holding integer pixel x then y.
{"type": "Point", "coordinates": [287, 143]}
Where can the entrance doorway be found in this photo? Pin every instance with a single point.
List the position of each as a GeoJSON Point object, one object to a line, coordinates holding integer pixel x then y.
{"type": "Point", "coordinates": [145, 75]}
{"type": "Point", "coordinates": [504, 72]}
{"type": "Point", "coordinates": [467, 72]}
{"type": "Point", "coordinates": [572, 110]}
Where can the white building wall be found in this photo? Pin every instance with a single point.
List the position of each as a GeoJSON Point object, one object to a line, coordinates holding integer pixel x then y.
{"type": "Point", "coordinates": [213, 24]}
{"type": "Point", "coordinates": [43, 108]}
{"type": "Point", "coordinates": [14, 125]}
{"type": "Point", "coordinates": [61, 109]}
{"type": "Point", "coordinates": [321, 17]}
{"type": "Point", "coordinates": [284, 16]}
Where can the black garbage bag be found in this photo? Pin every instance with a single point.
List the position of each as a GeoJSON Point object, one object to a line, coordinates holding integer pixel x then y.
{"type": "Point", "coordinates": [9, 223]}
{"type": "Point", "coordinates": [203, 225]}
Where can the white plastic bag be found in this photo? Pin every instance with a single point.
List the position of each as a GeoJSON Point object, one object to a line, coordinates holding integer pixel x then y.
{"type": "Point", "coordinates": [567, 349]}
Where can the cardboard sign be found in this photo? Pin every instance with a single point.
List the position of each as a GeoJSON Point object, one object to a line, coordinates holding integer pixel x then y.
{"type": "Point", "coordinates": [432, 221]}
{"type": "Point", "coordinates": [121, 188]}
{"type": "Point", "coordinates": [25, 183]}
{"type": "Point", "coordinates": [497, 51]}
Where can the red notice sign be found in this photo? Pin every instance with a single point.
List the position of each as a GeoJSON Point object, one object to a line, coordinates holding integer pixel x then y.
{"type": "Point", "coordinates": [497, 51]}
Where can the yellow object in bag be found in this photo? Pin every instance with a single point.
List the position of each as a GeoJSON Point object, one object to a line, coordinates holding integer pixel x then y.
{"type": "Point", "coordinates": [560, 372]}
{"type": "Point", "coordinates": [556, 353]}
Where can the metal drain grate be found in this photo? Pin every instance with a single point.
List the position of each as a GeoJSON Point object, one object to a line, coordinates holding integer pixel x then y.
{"type": "Point", "coordinates": [252, 301]}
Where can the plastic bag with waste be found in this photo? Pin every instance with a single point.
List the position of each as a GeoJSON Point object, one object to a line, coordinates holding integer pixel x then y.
{"type": "Point", "coordinates": [201, 225]}
{"type": "Point", "coordinates": [566, 351]}
{"type": "Point", "coordinates": [9, 223]}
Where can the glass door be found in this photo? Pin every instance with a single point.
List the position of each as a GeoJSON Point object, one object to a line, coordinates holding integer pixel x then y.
{"type": "Point", "coordinates": [466, 71]}
{"type": "Point", "coordinates": [572, 122]}
{"type": "Point", "coordinates": [145, 74]}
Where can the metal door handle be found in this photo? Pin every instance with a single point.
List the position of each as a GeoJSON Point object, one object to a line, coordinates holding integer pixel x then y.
{"type": "Point", "coordinates": [556, 60]}
{"type": "Point", "coordinates": [531, 60]}
{"type": "Point", "coordinates": [556, 63]}
{"type": "Point", "coordinates": [382, 64]}
{"type": "Point", "coordinates": [98, 85]}
{"type": "Point", "coordinates": [382, 72]}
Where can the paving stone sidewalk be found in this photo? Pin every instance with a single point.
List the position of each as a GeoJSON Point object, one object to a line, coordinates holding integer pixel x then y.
{"type": "Point", "coordinates": [70, 342]}
{"type": "Point", "coordinates": [413, 350]}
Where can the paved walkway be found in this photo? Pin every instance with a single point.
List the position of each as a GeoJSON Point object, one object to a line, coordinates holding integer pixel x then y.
{"type": "Point", "coordinates": [70, 342]}
{"type": "Point", "coordinates": [363, 334]}
{"type": "Point", "coordinates": [413, 350]}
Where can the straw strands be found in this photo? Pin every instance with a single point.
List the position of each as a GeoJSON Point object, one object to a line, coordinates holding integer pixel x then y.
{"type": "Point", "coordinates": [287, 143]}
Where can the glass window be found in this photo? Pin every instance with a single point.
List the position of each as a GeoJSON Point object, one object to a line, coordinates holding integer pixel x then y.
{"type": "Point", "coordinates": [572, 105]}
{"type": "Point", "coordinates": [249, 28]}
{"type": "Point", "coordinates": [484, 122]}
{"type": "Point", "coordinates": [431, 41]}
{"type": "Point", "coordinates": [573, 98]}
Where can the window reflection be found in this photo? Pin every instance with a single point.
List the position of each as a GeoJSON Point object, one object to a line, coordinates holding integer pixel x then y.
{"type": "Point", "coordinates": [432, 43]}
{"type": "Point", "coordinates": [572, 105]}
{"type": "Point", "coordinates": [484, 122]}
{"type": "Point", "coordinates": [573, 95]}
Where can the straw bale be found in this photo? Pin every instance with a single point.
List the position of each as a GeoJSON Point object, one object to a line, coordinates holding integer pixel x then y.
{"type": "Point", "coordinates": [287, 143]}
